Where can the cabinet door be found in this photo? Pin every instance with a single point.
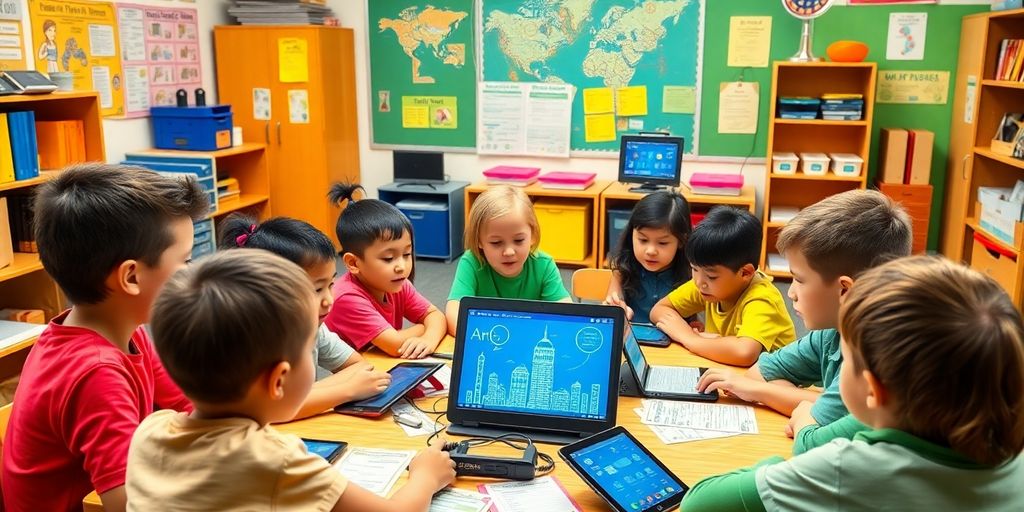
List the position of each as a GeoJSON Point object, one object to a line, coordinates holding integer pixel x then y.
{"type": "Point", "coordinates": [242, 66]}
{"type": "Point", "coordinates": [961, 137]}
{"type": "Point", "coordinates": [299, 184]}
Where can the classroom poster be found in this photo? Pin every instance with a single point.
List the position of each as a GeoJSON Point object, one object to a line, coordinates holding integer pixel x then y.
{"type": "Point", "coordinates": [12, 54]}
{"type": "Point", "coordinates": [913, 87]}
{"type": "Point", "coordinates": [750, 39]}
{"type": "Point", "coordinates": [906, 36]}
{"type": "Point", "coordinates": [160, 54]}
{"type": "Point", "coordinates": [81, 38]}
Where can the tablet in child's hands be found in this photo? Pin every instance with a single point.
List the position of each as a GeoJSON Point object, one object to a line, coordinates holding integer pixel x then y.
{"type": "Point", "coordinates": [329, 450]}
{"type": "Point", "coordinates": [647, 334]}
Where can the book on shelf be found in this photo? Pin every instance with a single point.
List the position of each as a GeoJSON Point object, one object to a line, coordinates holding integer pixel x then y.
{"type": "Point", "coordinates": [19, 208]}
{"type": "Point", "coordinates": [61, 143]}
{"type": "Point", "coordinates": [17, 332]}
{"type": "Point", "coordinates": [1010, 64]}
{"type": "Point", "coordinates": [6, 244]}
{"type": "Point", "coordinates": [21, 128]}
{"type": "Point", "coordinates": [6, 157]}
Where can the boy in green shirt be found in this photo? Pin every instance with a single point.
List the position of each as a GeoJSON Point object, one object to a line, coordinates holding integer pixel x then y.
{"type": "Point", "coordinates": [828, 245]}
{"type": "Point", "coordinates": [909, 329]}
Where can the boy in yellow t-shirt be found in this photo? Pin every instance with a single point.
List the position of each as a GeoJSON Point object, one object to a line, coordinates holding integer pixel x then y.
{"type": "Point", "coordinates": [744, 312]}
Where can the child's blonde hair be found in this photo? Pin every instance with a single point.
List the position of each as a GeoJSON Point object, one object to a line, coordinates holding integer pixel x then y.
{"type": "Point", "coordinates": [948, 346]}
{"type": "Point", "coordinates": [222, 322]}
{"type": "Point", "coordinates": [496, 202]}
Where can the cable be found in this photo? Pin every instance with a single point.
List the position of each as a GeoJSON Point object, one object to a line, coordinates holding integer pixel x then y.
{"type": "Point", "coordinates": [514, 440]}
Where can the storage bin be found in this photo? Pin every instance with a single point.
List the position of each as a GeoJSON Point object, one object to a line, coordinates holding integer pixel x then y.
{"type": "Point", "coordinates": [999, 264]}
{"type": "Point", "coordinates": [203, 239]}
{"type": "Point", "coordinates": [200, 167]}
{"type": "Point", "coordinates": [618, 219]}
{"type": "Point", "coordinates": [565, 228]}
{"type": "Point", "coordinates": [846, 164]}
{"type": "Point", "coordinates": [430, 226]}
{"type": "Point", "coordinates": [192, 128]}
{"type": "Point", "coordinates": [814, 164]}
{"type": "Point", "coordinates": [784, 163]}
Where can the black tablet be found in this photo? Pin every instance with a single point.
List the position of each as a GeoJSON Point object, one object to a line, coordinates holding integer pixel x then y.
{"type": "Point", "coordinates": [623, 472]}
{"type": "Point", "coordinates": [648, 334]}
{"type": "Point", "coordinates": [329, 450]}
{"type": "Point", "coordinates": [404, 377]}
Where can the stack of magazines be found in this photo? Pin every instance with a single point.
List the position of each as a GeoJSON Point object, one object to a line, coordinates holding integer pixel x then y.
{"type": "Point", "coordinates": [282, 12]}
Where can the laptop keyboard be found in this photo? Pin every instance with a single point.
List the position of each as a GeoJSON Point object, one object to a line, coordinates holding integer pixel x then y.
{"type": "Point", "coordinates": [672, 379]}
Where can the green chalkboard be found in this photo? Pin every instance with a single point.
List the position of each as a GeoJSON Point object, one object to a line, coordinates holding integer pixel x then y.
{"type": "Point", "coordinates": [861, 23]}
{"type": "Point", "coordinates": [422, 73]}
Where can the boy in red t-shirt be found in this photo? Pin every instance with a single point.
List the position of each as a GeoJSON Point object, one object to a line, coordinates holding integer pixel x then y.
{"type": "Point", "coordinates": [110, 236]}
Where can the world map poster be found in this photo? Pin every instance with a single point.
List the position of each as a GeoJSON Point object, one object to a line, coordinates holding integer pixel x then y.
{"type": "Point", "coordinates": [422, 73]}
{"type": "Point", "coordinates": [599, 44]}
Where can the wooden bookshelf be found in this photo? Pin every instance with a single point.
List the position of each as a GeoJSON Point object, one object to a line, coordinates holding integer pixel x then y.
{"type": "Point", "coordinates": [24, 284]}
{"type": "Point", "coordinates": [814, 136]}
{"type": "Point", "coordinates": [972, 163]}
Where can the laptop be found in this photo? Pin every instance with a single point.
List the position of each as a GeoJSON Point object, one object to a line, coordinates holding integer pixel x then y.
{"type": "Point", "coordinates": [547, 370]}
{"type": "Point", "coordinates": [624, 472]}
{"type": "Point", "coordinates": [672, 382]}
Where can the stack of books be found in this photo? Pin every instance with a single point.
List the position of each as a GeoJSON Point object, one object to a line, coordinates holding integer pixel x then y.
{"type": "Point", "coordinates": [842, 107]}
{"type": "Point", "coordinates": [282, 12]}
{"type": "Point", "coordinates": [1010, 66]}
{"type": "Point", "coordinates": [510, 175]}
{"type": "Point", "coordinates": [19, 152]}
{"type": "Point", "coordinates": [798, 107]}
{"type": "Point", "coordinates": [23, 238]}
{"type": "Point", "coordinates": [61, 143]}
{"type": "Point", "coordinates": [567, 180]}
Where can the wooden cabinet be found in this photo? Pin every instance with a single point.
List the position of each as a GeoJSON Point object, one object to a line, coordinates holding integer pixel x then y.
{"type": "Point", "coordinates": [305, 155]}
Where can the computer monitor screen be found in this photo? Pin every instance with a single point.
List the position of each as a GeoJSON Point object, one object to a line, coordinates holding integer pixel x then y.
{"type": "Point", "coordinates": [418, 167]}
{"type": "Point", "coordinates": [537, 363]}
{"type": "Point", "coordinates": [650, 159]}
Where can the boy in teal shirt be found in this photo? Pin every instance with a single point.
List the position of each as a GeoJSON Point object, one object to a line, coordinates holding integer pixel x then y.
{"type": "Point", "coordinates": [827, 245]}
{"type": "Point", "coordinates": [909, 328]}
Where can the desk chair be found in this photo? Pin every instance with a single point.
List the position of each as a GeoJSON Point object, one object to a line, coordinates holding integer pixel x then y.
{"type": "Point", "coordinates": [591, 284]}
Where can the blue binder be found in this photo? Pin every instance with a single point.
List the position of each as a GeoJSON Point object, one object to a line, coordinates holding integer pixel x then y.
{"type": "Point", "coordinates": [24, 148]}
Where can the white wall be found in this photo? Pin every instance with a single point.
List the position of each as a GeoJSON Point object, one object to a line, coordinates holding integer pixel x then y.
{"type": "Point", "coordinates": [376, 164]}
{"type": "Point", "coordinates": [125, 135]}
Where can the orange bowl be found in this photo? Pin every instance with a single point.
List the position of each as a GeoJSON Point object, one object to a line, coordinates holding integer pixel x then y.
{"type": "Point", "coordinates": [847, 51]}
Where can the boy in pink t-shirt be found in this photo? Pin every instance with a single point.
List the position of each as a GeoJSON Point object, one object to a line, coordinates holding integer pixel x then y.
{"type": "Point", "coordinates": [376, 294]}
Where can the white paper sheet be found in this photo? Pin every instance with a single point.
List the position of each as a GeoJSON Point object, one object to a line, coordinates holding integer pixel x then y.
{"type": "Point", "coordinates": [459, 500]}
{"type": "Point", "coordinates": [674, 435]}
{"type": "Point", "coordinates": [524, 119]}
{"type": "Point", "coordinates": [538, 495]}
{"type": "Point", "coordinates": [721, 418]}
{"type": "Point", "coordinates": [374, 470]}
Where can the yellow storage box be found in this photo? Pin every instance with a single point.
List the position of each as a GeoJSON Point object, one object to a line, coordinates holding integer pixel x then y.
{"type": "Point", "coordinates": [565, 228]}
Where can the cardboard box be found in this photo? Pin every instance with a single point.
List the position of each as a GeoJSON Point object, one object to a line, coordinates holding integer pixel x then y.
{"type": "Point", "coordinates": [6, 246]}
{"type": "Point", "coordinates": [919, 160]}
{"type": "Point", "coordinates": [991, 260]}
{"type": "Point", "coordinates": [1002, 220]}
{"type": "Point", "coordinates": [892, 155]}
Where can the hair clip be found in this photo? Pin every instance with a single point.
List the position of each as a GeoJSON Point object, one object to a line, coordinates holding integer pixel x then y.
{"type": "Point", "coordinates": [244, 237]}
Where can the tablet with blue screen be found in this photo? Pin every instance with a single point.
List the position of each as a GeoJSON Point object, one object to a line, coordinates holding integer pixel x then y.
{"type": "Point", "coordinates": [623, 472]}
{"type": "Point", "coordinates": [647, 334]}
{"type": "Point", "coordinates": [404, 377]}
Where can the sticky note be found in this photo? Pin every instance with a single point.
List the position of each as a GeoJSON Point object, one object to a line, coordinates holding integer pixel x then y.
{"type": "Point", "coordinates": [677, 99]}
{"type": "Point", "coordinates": [632, 101]}
{"type": "Point", "coordinates": [293, 60]}
{"type": "Point", "coordinates": [598, 100]}
{"type": "Point", "coordinates": [599, 127]}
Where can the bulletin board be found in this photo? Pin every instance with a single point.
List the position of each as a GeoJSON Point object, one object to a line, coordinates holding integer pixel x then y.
{"type": "Point", "coordinates": [81, 38]}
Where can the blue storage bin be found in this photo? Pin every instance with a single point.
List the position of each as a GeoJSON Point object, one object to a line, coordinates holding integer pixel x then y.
{"type": "Point", "coordinates": [203, 249]}
{"type": "Point", "coordinates": [618, 219]}
{"type": "Point", "coordinates": [201, 168]}
{"type": "Point", "coordinates": [192, 128]}
{"type": "Point", "coordinates": [430, 226]}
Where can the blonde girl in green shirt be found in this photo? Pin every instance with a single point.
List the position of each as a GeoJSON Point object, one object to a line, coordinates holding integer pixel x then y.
{"type": "Point", "coordinates": [501, 258]}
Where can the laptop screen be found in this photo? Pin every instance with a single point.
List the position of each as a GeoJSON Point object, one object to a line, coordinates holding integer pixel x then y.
{"type": "Point", "coordinates": [536, 363]}
{"type": "Point", "coordinates": [629, 476]}
{"type": "Point", "coordinates": [635, 355]}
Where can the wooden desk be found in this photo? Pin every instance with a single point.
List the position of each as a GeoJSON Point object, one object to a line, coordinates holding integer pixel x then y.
{"type": "Point", "coordinates": [617, 195]}
{"type": "Point", "coordinates": [689, 461]}
{"type": "Point", "coordinates": [590, 195]}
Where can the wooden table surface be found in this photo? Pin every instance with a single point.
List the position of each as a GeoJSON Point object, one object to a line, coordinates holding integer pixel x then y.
{"type": "Point", "coordinates": [690, 461]}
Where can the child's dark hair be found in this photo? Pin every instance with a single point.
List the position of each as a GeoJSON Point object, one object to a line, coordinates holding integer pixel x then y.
{"type": "Point", "coordinates": [363, 222]}
{"type": "Point", "coordinates": [222, 322]}
{"type": "Point", "coordinates": [108, 214]}
{"type": "Point", "coordinates": [727, 236]}
{"type": "Point", "coordinates": [292, 239]}
{"type": "Point", "coordinates": [657, 210]}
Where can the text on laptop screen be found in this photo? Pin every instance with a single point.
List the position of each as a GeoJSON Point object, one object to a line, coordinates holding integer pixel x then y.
{"type": "Point", "coordinates": [650, 160]}
{"type": "Point", "coordinates": [627, 473]}
{"type": "Point", "coordinates": [536, 363]}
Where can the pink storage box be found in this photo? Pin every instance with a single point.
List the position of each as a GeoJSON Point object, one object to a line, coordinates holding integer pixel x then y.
{"type": "Point", "coordinates": [508, 172]}
{"type": "Point", "coordinates": [568, 178]}
{"type": "Point", "coordinates": [716, 184]}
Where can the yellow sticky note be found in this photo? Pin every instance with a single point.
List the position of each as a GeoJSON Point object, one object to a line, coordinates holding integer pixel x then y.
{"type": "Point", "coordinates": [599, 127]}
{"type": "Point", "coordinates": [677, 99]}
{"type": "Point", "coordinates": [598, 100]}
{"type": "Point", "coordinates": [415, 112]}
{"type": "Point", "coordinates": [632, 101]}
{"type": "Point", "coordinates": [293, 60]}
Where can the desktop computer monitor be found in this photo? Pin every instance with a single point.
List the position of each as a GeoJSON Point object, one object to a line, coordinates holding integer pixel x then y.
{"type": "Point", "coordinates": [652, 161]}
{"type": "Point", "coordinates": [419, 167]}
